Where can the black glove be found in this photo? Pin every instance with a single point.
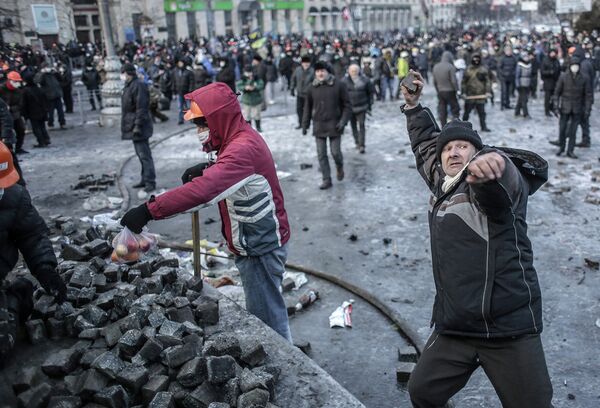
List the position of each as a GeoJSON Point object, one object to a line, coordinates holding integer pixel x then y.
{"type": "Point", "coordinates": [339, 128]}
{"type": "Point", "coordinates": [293, 93]}
{"type": "Point", "coordinates": [193, 172]}
{"type": "Point", "coordinates": [304, 132]}
{"type": "Point", "coordinates": [136, 218]}
{"type": "Point", "coordinates": [52, 284]}
{"type": "Point", "coordinates": [137, 132]}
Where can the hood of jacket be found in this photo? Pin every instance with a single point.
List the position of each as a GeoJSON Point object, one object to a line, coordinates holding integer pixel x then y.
{"type": "Point", "coordinates": [327, 81]}
{"type": "Point", "coordinates": [531, 165]}
{"type": "Point", "coordinates": [579, 53]}
{"type": "Point", "coordinates": [447, 57]}
{"type": "Point", "coordinates": [223, 114]}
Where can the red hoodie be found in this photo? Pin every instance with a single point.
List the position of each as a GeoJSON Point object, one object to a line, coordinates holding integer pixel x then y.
{"type": "Point", "coordinates": [243, 180]}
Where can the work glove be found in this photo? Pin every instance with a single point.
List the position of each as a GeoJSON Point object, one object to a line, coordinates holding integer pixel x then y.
{"type": "Point", "coordinates": [304, 132]}
{"type": "Point", "coordinates": [136, 218]}
{"type": "Point", "coordinates": [193, 172]}
{"type": "Point", "coordinates": [52, 284]}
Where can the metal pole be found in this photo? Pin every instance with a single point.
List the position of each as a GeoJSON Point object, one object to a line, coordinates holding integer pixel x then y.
{"type": "Point", "coordinates": [210, 19]}
{"type": "Point", "coordinates": [196, 243]}
{"type": "Point", "coordinates": [112, 88]}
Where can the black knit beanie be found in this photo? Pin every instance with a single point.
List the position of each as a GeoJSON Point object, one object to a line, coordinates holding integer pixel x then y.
{"type": "Point", "coordinates": [457, 130]}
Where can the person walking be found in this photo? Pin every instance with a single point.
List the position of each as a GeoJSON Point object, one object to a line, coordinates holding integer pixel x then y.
{"type": "Point", "coordinates": [48, 81]}
{"type": "Point", "coordinates": [506, 74]}
{"type": "Point", "coordinates": [572, 100]}
{"type": "Point", "coordinates": [446, 86]}
{"type": "Point", "coordinates": [488, 304]}
{"type": "Point", "coordinates": [476, 87]}
{"type": "Point", "coordinates": [523, 78]}
{"type": "Point", "coordinates": [136, 124]}
{"type": "Point", "coordinates": [12, 93]}
{"type": "Point", "coordinates": [91, 79]}
{"type": "Point", "coordinates": [386, 75]}
{"type": "Point", "coordinates": [550, 72]}
{"type": "Point", "coordinates": [328, 106]}
{"type": "Point", "coordinates": [226, 73]}
{"type": "Point", "coordinates": [65, 78]}
{"type": "Point", "coordinates": [183, 83]}
{"type": "Point", "coordinates": [301, 82]}
{"type": "Point", "coordinates": [360, 92]}
{"type": "Point", "coordinates": [35, 109]}
{"type": "Point", "coordinates": [243, 182]}
{"type": "Point", "coordinates": [252, 96]}
{"type": "Point", "coordinates": [165, 73]}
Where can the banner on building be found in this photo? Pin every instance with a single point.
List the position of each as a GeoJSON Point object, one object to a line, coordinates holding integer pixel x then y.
{"type": "Point", "coordinates": [174, 6]}
{"type": "Point", "coordinates": [44, 18]}
{"type": "Point", "coordinates": [529, 5]}
{"type": "Point", "coordinates": [573, 6]}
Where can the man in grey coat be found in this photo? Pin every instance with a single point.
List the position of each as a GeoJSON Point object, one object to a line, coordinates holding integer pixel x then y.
{"type": "Point", "coordinates": [136, 124]}
{"type": "Point", "coordinates": [444, 80]}
{"type": "Point", "coordinates": [301, 80]}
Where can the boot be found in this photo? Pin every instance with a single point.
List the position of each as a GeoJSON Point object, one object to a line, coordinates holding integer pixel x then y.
{"type": "Point", "coordinates": [325, 184]}
{"type": "Point", "coordinates": [258, 125]}
{"type": "Point", "coordinates": [141, 184]}
{"type": "Point", "coordinates": [583, 144]}
{"type": "Point", "coordinates": [572, 155]}
{"type": "Point", "coordinates": [554, 142]}
{"type": "Point", "coordinates": [361, 150]}
{"type": "Point", "coordinates": [340, 173]}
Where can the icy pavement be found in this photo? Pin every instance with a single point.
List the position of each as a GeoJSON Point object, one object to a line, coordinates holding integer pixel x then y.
{"type": "Point", "coordinates": [383, 197]}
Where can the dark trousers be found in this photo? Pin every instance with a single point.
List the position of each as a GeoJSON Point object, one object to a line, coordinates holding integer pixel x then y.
{"type": "Point", "coordinates": [585, 129]}
{"type": "Point", "coordinates": [506, 89]}
{"type": "Point", "coordinates": [38, 127]}
{"type": "Point", "coordinates": [480, 107]}
{"type": "Point", "coordinates": [516, 368]}
{"type": "Point", "coordinates": [357, 122]}
{"type": "Point", "coordinates": [142, 149]}
{"type": "Point", "coordinates": [548, 104]}
{"type": "Point", "coordinates": [567, 130]}
{"type": "Point", "coordinates": [95, 92]}
{"type": "Point", "coordinates": [335, 145]}
{"type": "Point", "coordinates": [445, 99]}
{"type": "Point", "coordinates": [157, 114]}
{"type": "Point", "coordinates": [522, 101]}
{"type": "Point", "coordinates": [300, 109]}
{"type": "Point", "coordinates": [56, 104]}
{"type": "Point", "coordinates": [68, 98]}
{"type": "Point", "coordinates": [19, 127]}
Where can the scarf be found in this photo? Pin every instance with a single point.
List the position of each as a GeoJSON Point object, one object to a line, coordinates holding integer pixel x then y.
{"type": "Point", "coordinates": [450, 182]}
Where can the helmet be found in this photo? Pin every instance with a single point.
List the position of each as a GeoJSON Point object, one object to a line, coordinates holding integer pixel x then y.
{"type": "Point", "coordinates": [194, 112]}
{"type": "Point", "coordinates": [14, 76]}
{"type": "Point", "coordinates": [8, 174]}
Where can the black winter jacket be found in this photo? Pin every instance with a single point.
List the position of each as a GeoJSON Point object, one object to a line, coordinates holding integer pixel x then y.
{"type": "Point", "coordinates": [7, 134]}
{"type": "Point", "coordinates": [35, 104]}
{"type": "Point", "coordinates": [327, 104]}
{"type": "Point", "coordinates": [486, 284]}
{"type": "Point", "coordinates": [302, 80]}
{"type": "Point", "coordinates": [136, 122]}
{"type": "Point", "coordinates": [550, 72]}
{"type": "Point", "coordinates": [90, 78]}
{"type": "Point", "coordinates": [183, 81]}
{"type": "Point", "coordinates": [227, 75]}
{"type": "Point", "coordinates": [573, 93]}
{"type": "Point", "coordinates": [166, 82]}
{"type": "Point", "coordinates": [360, 93]}
{"type": "Point", "coordinates": [50, 85]}
{"type": "Point", "coordinates": [23, 230]}
{"type": "Point", "coordinates": [507, 67]}
{"type": "Point", "coordinates": [13, 98]}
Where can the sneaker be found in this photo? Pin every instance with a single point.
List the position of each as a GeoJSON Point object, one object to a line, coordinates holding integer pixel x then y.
{"type": "Point", "coordinates": [325, 184]}
{"type": "Point", "coordinates": [340, 173]}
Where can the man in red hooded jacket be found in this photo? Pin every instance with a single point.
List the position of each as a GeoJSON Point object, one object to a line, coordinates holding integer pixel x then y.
{"type": "Point", "coordinates": [243, 181]}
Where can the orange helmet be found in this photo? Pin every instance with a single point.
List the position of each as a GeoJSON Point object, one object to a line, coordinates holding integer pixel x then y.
{"type": "Point", "coordinates": [8, 174]}
{"type": "Point", "coordinates": [14, 76]}
{"type": "Point", "coordinates": [194, 112]}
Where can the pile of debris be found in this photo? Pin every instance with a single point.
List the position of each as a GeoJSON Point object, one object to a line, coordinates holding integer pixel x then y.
{"type": "Point", "coordinates": [93, 183]}
{"type": "Point", "coordinates": [147, 336]}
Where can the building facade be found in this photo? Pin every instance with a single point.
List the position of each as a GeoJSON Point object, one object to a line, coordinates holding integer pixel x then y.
{"type": "Point", "coordinates": [50, 21]}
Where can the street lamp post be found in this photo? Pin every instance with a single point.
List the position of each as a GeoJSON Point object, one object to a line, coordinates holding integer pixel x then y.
{"type": "Point", "coordinates": [113, 86]}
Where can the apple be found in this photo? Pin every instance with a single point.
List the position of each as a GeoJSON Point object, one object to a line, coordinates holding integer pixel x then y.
{"type": "Point", "coordinates": [121, 250]}
{"type": "Point", "coordinates": [114, 257]}
{"type": "Point", "coordinates": [132, 245]}
{"type": "Point", "coordinates": [131, 257]}
{"type": "Point", "coordinates": [144, 244]}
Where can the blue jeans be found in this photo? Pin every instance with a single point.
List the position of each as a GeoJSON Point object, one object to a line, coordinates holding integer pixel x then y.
{"type": "Point", "coordinates": [261, 278]}
{"type": "Point", "coordinates": [144, 153]}
{"type": "Point", "coordinates": [182, 106]}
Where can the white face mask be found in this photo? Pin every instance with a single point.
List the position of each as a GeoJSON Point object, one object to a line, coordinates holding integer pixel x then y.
{"type": "Point", "coordinates": [15, 84]}
{"type": "Point", "coordinates": [203, 136]}
{"type": "Point", "coordinates": [123, 77]}
{"type": "Point", "coordinates": [574, 68]}
{"type": "Point", "coordinates": [222, 64]}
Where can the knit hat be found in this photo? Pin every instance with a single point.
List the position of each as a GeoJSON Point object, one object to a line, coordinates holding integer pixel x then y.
{"type": "Point", "coordinates": [305, 58]}
{"type": "Point", "coordinates": [129, 69]}
{"type": "Point", "coordinates": [457, 130]}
